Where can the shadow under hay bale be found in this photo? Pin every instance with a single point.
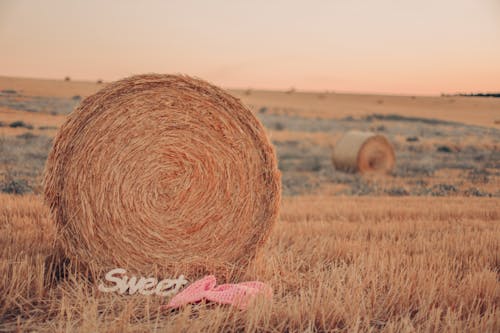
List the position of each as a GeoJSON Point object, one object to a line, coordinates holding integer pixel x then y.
{"type": "Point", "coordinates": [363, 152]}
{"type": "Point", "coordinates": [57, 268]}
{"type": "Point", "coordinates": [163, 173]}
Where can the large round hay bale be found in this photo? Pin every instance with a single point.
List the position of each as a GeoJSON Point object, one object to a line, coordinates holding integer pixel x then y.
{"type": "Point", "coordinates": [363, 152]}
{"type": "Point", "coordinates": [162, 173]}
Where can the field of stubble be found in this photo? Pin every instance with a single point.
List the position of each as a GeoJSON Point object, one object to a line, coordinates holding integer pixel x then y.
{"type": "Point", "coordinates": [335, 263]}
{"type": "Point", "coordinates": [418, 250]}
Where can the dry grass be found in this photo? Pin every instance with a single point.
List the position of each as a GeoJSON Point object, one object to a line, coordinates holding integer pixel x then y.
{"type": "Point", "coordinates": [43, 124]}
{"type": "Point", "coordinates": [335, 263]}
{"type": "Point", "coordinates": [47, 87]}
{"type": "Point", "coordinates": [469, 110]}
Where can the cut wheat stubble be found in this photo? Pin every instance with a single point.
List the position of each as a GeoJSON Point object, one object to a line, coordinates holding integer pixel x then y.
{"type": "Point", "coordinates": [163, 173]}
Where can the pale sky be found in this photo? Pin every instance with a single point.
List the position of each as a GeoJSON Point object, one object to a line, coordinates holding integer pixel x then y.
{"type": "Point", "coordinates": [383, 46]}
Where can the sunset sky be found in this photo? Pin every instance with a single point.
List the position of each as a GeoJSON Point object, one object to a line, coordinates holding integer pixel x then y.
{"type": "Point", "coordinates": [384, 46]}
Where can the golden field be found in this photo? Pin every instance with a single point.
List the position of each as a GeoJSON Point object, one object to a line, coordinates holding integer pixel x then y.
{"type": "Point", "coordinates": [335, 264]}
{"type": "Point", "coordinates": [470, 110]}
{"type": "Point", "coordinates": [418, 250]}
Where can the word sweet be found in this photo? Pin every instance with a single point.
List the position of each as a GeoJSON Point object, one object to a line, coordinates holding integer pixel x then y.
{"type": "Point", "coordinates": [145, 286]}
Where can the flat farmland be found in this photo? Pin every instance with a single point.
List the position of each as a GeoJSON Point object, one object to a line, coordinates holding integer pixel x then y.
{"type": "Point", "coordinates": [417, 250]}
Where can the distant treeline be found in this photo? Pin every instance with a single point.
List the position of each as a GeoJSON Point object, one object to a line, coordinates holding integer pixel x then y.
{"type": "Point", "coordinates": [474, 95]}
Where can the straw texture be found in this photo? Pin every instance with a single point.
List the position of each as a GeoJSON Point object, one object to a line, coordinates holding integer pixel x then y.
{"type": "Point", "coordinates": [163, 173]}
{"type": "Point", "coordinates": [363, 152]}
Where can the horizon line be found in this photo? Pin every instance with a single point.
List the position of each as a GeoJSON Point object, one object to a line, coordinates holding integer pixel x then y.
{"type": "Point", "coordinates": [262, 89]}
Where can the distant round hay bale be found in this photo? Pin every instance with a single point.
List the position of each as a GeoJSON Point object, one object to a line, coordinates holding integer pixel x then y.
{"type": "Point", "coordinates": [363, 152]}
{"type": "Point", "coordinates": [162, 173]}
